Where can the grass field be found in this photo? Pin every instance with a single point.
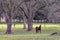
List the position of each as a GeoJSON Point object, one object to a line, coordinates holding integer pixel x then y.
{"type": "Point", "coordinates": [23, 34]}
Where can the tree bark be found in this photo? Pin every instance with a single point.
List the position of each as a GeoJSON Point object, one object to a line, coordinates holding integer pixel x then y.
{"type": "Point", "coordinates": [9, 25]}
{"type": "Point", "coordinates": [30, 24]}
{"type": "Point", "coordinates": [24, 22]}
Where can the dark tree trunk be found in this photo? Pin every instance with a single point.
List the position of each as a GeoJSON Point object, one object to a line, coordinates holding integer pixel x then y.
{"type": "Point", "coordinates": [8, 29]}
{"type": "Point", "coordinates": [14, 25]}
{"type": "Point", "coordinates": [0, 19]}
{"type": "Point", "coordinates": [9, 25]}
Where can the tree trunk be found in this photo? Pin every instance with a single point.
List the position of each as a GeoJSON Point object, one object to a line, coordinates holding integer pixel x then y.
{"type": "Point", "coordinates": [0, 19]}
{"type": "Point", "coordinates": [24, 21]}
{"type": "Point", "coordinates": [9, 25]}
{"type": "Point", "coordinates": [30, 24]}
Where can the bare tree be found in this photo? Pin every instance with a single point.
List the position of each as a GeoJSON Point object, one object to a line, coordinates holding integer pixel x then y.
{"type": "Point", "coordinates": [29, 7]}
{"type": "Point", "coordinates": [7, 8]}
{"type": "Point", "coordinates": [27, 10]}
{"type": "Point", "coordinates": [52, 7]}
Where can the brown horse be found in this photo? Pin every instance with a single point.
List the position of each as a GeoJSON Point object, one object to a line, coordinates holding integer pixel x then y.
{"type": "Point", "coordinates": [38, 29]}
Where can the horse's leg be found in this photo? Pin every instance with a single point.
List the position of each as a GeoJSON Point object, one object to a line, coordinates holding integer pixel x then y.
{"type": "Point", "coordinates": [37, 30]}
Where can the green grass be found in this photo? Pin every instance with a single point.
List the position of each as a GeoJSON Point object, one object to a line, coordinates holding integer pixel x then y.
{"type": "Point", "coordinates": [23, 34]}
